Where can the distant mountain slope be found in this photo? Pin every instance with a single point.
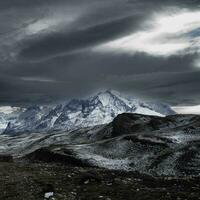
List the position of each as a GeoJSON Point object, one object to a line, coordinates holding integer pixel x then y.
{"type": "Point", "coordinates": [11, 117]}
{"type": "Point", "coordinates": [146, 144]}
{"type": "Point", "coordinates": [3, 122]}
{"type": "Point", "coordinates": [98, 109]}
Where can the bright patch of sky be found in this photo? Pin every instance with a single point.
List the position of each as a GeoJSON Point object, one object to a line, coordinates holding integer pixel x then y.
{"type": "Point", "coordinates": [187, 109]}
{"type": "Point", "coordinates": [49, 23]}
{"type": "Point", "coordinates": [197, 63]}
{"type": "Point", "coordinates": [176, 32]}
{"type": "Point", "coordinates": [37, 79]}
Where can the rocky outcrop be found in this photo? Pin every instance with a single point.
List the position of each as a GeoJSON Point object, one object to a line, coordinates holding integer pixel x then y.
{"type": "Point", "coordinates": [6, 158]}
{"type": "Point", "coordinates": [132, 142]}
{"type": "Point", "coordinates": [148, 144]}
{"type": "Point", "coordinates": [48, 156]}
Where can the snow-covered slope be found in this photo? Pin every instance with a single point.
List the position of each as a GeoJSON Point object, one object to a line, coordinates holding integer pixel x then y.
{"type": "Point", "coordinates": [98, 109]}
{"type": "Point", "coordinates": [153, 145]}
{"type": "Point", "coordinates": [8, 115]}
{"type": "Point", "coordinates": [3, 122]}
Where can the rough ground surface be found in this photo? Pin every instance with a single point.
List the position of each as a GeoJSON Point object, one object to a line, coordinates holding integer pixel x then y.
{"type": "Point", "coordinates": [20, 181]}
{"type": "Point", "coordinates": [109, 162]}
{"type": "Point", "coordinates": [132, 142]}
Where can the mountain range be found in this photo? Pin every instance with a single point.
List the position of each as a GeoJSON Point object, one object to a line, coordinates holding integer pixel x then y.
{"type": "Point", "coordinates": [101, 108]}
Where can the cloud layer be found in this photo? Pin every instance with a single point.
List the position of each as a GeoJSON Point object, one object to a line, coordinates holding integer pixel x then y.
{"type": "Point", "coordinates": [171, 33]}
{"type": "Point", "coordinates": [54, 50]}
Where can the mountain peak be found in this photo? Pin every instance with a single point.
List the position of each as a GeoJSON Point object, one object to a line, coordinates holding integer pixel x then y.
{"type": "Point", "coordinates": [107, 97]}
{"type": "Point", "coordinates": [98, 109]}
{"type": "Point", "coordinates": [104, 97]}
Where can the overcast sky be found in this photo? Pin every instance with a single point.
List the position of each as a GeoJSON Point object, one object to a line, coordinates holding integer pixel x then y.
{"type": "Point", "coordinates": [54, 50]}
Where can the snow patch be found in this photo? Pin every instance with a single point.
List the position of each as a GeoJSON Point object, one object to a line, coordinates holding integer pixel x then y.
{"type": "Point", "coordinates": [48, 195]}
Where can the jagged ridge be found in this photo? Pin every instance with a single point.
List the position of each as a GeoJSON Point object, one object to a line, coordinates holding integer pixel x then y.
{"type": "Point", "coordinates": [98, 109]}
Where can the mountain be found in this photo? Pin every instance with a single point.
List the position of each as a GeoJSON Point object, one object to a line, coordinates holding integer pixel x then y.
{"type": "Point", "coordinates": [98, 109]}
{"type": "Point", "coordinates": [154, 145]}
{"type": "Point", "coordinates": [26, 120]}
{"type": "Point", "coordinates": [6, 117]}
{"type": "Point", "coordinates": [3, 122]}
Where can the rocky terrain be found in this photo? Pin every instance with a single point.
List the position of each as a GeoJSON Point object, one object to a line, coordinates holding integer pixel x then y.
{"type": "Point", "coordinates": [132, 142]}
{"type": "Point", "coordinates": [133, 157]}
{"type": "Point", "coordinates": [20, 181]}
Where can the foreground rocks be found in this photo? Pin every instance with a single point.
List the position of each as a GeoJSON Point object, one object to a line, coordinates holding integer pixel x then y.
{"type": "Point", "coordinates": [48, 156]}
{"type": "Point", "coordinates": [6, 158]}
{"type": "Point", "coordinates": [20, 181]}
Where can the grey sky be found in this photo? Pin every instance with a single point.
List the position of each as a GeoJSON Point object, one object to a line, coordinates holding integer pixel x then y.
{"type": "Point", "coordinates": [53, 50]}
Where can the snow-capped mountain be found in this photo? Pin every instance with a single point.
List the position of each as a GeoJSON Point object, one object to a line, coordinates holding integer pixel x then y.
{"type": "Point", "coordinates": [98, 109]}
{"type": "Point", "coordinates": [3, 122]}
{"type": "Point", "coordinates": [8, 114]}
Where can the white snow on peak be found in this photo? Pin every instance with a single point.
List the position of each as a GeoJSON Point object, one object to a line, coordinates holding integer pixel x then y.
{"type": "Point", "coordinates": [105, 98]}
{"type": "Point", "coordinates": [8, 109]}
{"type": "Point", "coordinates": [101, 108]}
{"type": "Point", "coordinates": [109, 97]}
{"type": "Point", "coordinates": [145, 111]}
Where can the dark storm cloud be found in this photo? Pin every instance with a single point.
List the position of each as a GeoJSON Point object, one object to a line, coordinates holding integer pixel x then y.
{"type": "Point", "coordinates": [15, 4]}
{"type": "Point", "coordinates": [54, 44]}
{"type": "Point", "coordinates": [87, 64]}
{"type": "Point", "coordinates": [48, 52]}
{"type": "Point", "coordinates": [155, 3]}
{"type": "Point", "coordinates": [142, 75]}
